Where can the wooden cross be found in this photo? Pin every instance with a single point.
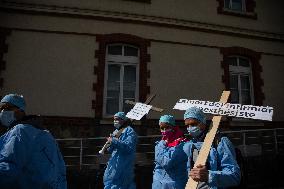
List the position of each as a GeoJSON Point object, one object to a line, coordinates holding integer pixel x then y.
{"type": "Point", "coordinates": [205, 149]}
{"type": "Point", "coordinates": [223, 108]}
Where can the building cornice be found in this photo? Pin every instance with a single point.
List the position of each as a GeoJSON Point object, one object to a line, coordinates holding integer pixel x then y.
{"type": "Point", "coordinates": [53, 10]}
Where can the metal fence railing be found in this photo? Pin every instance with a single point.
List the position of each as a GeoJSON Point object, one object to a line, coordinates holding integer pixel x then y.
{"type": "Point", "coordinates": [258, 142]}
{"type": "Point", "coordinates": [83, 152]}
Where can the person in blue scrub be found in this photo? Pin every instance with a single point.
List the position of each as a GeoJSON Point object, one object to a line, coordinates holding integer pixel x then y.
{"type": "Point", "coordinates": [29, 155]}
{"type": "Point", "coordinates": [170, 159]}
{"type": "Point", "coordinates": [221, 169]}
{"type": "Point", "coordinates": [119, 173]}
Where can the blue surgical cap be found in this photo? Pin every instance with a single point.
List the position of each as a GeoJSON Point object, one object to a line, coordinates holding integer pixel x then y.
{"type": "Point", "coordinates": [121, 115]}
{"type": "Point", "coordinates": [16, 100]}
{"type": "Point", "coordinates": [167, 119]}
{"type": "Point", "coordinates": [195, 113]}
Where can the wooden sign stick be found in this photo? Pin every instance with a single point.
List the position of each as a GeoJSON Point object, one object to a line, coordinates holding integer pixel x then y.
{"type": "Point", "coordinates": [205, 149]}
{"type": "Point", "coordinates": [148, 100]}
{"type": "Point", "coordinates": [152, 108]}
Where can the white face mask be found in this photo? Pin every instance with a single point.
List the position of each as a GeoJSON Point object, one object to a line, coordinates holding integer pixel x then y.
{"type": "Point", "coordinates": [194, 131]}
{"type": "Point", "coordinates": [116, 124]}
{"type": "Point", "coordinates": [7, 117]}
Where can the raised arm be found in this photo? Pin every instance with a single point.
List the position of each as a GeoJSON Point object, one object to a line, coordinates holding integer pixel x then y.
{"type": "Point", "coordinates": [126, 143]}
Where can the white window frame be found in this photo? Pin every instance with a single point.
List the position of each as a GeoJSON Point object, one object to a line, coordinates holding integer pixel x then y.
{"type": "Point", "coordinates": [230, 6]}
{"type": "Point", "coordinates": [241, 70]}
{"type": "Point", "coordinates": [122, 61]}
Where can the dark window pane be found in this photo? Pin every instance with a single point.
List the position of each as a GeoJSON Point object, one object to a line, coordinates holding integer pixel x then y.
{"type": "Point", "coordinates": [112, 106]}
{"type": "Point", "coordinates": [113, 88]}
{"type": "Point", "coordinates": [129, 73]}
{"type": "Point", "coordinates": [246, 99]}
{"type": "Point", "coordinates": [234, 81]}
{"type": "Point", "coordinates": [234, 96]}
{"type": "Point", "coordinates": [129, 90]}
{"type": "Point", "coordinates": [113, 94]}
{"type": "Point", "coordinates": [129, 84]}
{"type": "Point", "coordinates": [113, 73]}
{"type": "Point", "coordinates": [227, 4]}
{"type": "Point", "coordinates": [232, 61]}
{"type": "Point", "coordinates": [129, 94]}
{"type": "Point", "coordinates": [244, 62]}
{"type": "Point", "coordinates": [115, 49]}
{"type": "Point", "coordinates": [112, 101]}
{"type": "Point", "coordinates": [245, 82]}
{"type": "Point", "coordinates": [130, 51]}
{"type": "Point", "coordinates": [237, 5]}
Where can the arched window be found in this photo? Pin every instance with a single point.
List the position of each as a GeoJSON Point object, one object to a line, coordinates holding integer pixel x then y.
{"type": "Point", "coordinates": [242, 75]}
{"type": "Point", "coordinates": [121, 72]}
{"type": "Point", "coordinates": [241, 85]}
{"type": "Point", "coordinates": [121, 77]}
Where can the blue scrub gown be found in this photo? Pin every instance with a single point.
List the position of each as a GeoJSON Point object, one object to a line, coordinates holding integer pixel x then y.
{"type": "Point", "coordinates": [119, 173]}
{"type": "Point", "coordinates": [30, 158]}
{"type": "Point", "coordinates": [223, 167]}
{"type": "Point", "coordinates": [170, 167]}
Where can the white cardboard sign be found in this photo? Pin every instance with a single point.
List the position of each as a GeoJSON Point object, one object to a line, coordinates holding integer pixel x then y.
{"type": "Point", "coordinates": [138, 111]}
{"type": "Point", "coordinates": [228, 109]}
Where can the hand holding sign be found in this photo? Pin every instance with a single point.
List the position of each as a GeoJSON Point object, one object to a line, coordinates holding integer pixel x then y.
{"type": "Point", "coordinates": [220, 108]}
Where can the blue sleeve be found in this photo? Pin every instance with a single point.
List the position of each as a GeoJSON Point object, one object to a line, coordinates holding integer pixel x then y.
{"type": "Point", "coordinates": [168, 157]}
{"type": "Point", "coordinates": [187, 150]}
{"type": "Point", "coordinates": [228, 173]}
{"type": "Point", "coordinates": [127, 143]}
{"type": "Point", "coordinates": [13, 154]}
{"type": "Point", "coordinates": [110, 148]}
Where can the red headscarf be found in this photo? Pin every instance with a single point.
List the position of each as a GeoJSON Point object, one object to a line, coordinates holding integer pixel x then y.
{"type": "Point", "coordinates": [176, 138]}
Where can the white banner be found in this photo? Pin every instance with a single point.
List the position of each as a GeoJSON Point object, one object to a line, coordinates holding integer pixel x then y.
{"type": "Point", "coordinates": [138, 111]}
{"type": "Point", "coordinates": [235, 110]}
